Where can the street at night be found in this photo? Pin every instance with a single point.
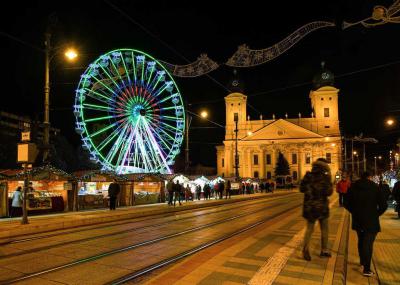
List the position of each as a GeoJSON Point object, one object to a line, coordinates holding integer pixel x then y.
{"type": "Point", "coordinates": [200, 143]}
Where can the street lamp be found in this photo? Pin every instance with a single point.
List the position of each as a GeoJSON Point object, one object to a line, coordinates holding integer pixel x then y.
{"type": "Point", "coordinates": [390, 122]}
{"type": "Point", "coordinates": [71, 55]}
{"type": "Point", "coordinates": [203, 115]}
{"type": "Point", "coordinates": [236, 119]}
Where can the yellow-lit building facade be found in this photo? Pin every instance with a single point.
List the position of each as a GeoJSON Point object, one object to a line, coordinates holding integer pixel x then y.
{"type": "Point", "coordinates": [301, 140]}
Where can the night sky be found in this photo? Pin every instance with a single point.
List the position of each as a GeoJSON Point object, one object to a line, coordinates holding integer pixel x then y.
{"type": "Point", "coordinates": [177, 33]}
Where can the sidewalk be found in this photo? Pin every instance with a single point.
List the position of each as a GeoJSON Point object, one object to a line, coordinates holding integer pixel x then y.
{"type": "Point", "coordinates": [12, 228]}
{"type": "Point", "coordinates": [386, 258]}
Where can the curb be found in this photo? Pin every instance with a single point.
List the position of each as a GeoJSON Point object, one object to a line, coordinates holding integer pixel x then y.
{"type": "Point", "coordinates": [340, 271]}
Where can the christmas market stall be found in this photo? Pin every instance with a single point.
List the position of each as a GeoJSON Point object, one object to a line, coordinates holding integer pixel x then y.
{"type": "Point", "coordinates": [49, 190]}
{"type": "Point", "coordinates": [93, 188]}
{"type": "Point", "coordinates": [146, 188]}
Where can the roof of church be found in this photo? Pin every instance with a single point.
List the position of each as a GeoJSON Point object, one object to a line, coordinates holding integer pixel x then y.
{"type": "Point", "coordinates": [282, 129]}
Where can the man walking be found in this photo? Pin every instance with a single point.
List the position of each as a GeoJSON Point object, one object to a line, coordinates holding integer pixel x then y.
{"type": "Point", "coordinates": [317, 187]}
{"type": "Point", "coordinates": [341, 188]}
{"type": "Point", "coordinates": [365, 203]}
{"type": "Point", "coordinates": [113, 191]}
{"type": "Point", "coordinates": [396, 196]}
{"type": "Point", "coordinates": [177, 191]}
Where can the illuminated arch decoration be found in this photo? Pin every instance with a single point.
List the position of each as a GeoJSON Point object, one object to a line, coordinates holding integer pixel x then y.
{"type": "Point", "coordinates": [129, 113]}
{"type": "Point", "coordinates": [246, 57]}
{"type": "Point", "coordinates": [201, 66]}
{"type": "Point", "coordinates": [380, 16]}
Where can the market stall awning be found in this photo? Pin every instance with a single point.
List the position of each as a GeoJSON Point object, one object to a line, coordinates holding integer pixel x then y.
{"type": "Point", "coordinates": [47, 172]}
{"type": "Point", "coordinates": [98, 175]}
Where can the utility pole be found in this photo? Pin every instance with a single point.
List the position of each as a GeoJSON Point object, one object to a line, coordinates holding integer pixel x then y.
{"type": "Point", "coordinates": [364, 158]}
{"type": "Point", "coordinates": [345, 154]}
{"type": "Point", "coordinates": [46, 122]}
{"type": "Point", "coordinates": [236, 119]}
{"type": "Point", "coordinates": [352, 156]}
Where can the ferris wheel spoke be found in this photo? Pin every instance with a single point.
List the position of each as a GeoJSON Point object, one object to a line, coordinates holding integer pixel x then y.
{"type": "Point", "coordinates": [114, 149]}
{"type": "Point", "coordinates": [134, 66]}
{"type": "Point", "coordinates": [109, 138]}
{"type": "Point", "coordinates": [126, 69]}
{"type": "Point", "coordinates": [117, 72]}
{"type": "Point", "coordinates": [156, 133]}
{"type": "Point", "coordinates": [105, 86]}
{"type": "Point", "coordinates": [107, 98]}
{"type": "Point", "coordinates": [157, 152]}
{"type": "Point", "coordinates": [102, 118]}
{"type": "Point", "coordinates": [103, 130]}
{"type": "Point", "coordinates": [97, 107]}
{"type": "Point", "coordinates": [110, 77]}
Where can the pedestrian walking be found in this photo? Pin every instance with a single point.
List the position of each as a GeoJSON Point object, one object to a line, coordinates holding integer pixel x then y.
{"type": "Point", "coordinates": [228, 190]}
{"type": "Point", "coordinates": [16, 203]}
{"type": "Point", "coordinates": [385, 189]}
{"type": "Point", "coordinates": [341, 188]}
{"type": "Point", "coordinates": [170, 190]}
{"type": "Point", "coordinates": [177, 192]}
{"type": "Point", "coordinates": [365, 203]}
{"type": "Point", "coordinates": [317, 187]}
{"type": "Point", "coordinates": [113, 191]}
{"type": "Point", "coordinates": [396, 197]}
{"type": "Point", "coordinates": [221, 188]}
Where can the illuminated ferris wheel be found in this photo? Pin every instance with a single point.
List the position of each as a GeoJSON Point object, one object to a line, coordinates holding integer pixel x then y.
{"type": "Point", "coordinates": [129, 113]}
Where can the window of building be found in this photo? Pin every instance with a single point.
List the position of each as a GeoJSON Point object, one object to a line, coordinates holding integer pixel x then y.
{"type": "Point", "coordinates": [326, 112]}
{"type": "Point", "coordinates": [329, 157]}
{"type": "Point", "coordinates": [322, 99]}
{"type": "Point", "coordinates": [255, 174]}
{"type": "Point", "coordinates": [294, 158]}
{"type": "Point", "coordinates": [255, 159]}
{"type": "Point", "coordinates": [268, 159]}
{"type": "Point", "coordinates": [327, 127]}
{"type": "Point", "coordinates": [223, 162]}
{"type": "Point", "coordinates": [308, 158]}
{"type": "Point", "coordinates": [269, 175]}
{"type": "Point", "coordinates": [330, 98]}
{"type": "Point", "coordinates": [294, 175]}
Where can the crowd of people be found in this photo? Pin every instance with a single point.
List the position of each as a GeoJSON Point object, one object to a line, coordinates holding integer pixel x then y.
{"type": "Point", "coordinates": [364, 199]}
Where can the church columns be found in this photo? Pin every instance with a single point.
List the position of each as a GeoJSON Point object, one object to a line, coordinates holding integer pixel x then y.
{"type": "Point", "coordinates": [262, 162]}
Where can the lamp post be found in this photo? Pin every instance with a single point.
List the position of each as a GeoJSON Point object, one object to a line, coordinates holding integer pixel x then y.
{"type": "Point", "coordinates": [203, 115]}
{"type": "Point", "coordinates": [71, 55]}
{"type": "Point", "coordinates": [236, 119]}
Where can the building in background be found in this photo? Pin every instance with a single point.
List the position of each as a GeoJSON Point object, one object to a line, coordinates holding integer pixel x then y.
{"type": "Point", "coordinates": [301, 140]}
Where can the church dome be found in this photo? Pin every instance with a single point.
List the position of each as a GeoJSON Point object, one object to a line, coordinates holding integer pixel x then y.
{"type": "Point", "coordinates": [323, 78]}
{"type": "Point", "coordinates": [235, 84]}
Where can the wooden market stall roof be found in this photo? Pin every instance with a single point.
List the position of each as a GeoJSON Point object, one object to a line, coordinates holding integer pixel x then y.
{"type": "Point", "coordinates": [90, 175]}
{"type": "Point", "coordinates": [47, 172]}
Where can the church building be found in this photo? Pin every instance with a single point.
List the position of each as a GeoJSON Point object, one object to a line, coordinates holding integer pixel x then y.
{"type": "Point", "coordinates": [301, 140]}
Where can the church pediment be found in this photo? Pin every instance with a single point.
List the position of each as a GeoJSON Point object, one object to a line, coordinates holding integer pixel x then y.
{"type": "Point", "coordinates": [281, 129]}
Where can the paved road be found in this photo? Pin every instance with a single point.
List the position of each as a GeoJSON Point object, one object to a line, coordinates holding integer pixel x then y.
{"type": "Point", "coordinates": [102, 254]}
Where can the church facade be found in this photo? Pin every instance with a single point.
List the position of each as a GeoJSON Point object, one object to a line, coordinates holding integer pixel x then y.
{"type": "Point", "coordinates": [300, 140]}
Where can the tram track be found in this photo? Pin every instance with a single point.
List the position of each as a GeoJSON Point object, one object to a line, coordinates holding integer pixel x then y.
{"type": "Point", "coordinates": [147, 218]}
{"type": "Point", "coordinates": [120, 232]}
{"type": "Point", "coordinates": [131, 230]}
{"type": "Point", "coordinates": [292, 206]}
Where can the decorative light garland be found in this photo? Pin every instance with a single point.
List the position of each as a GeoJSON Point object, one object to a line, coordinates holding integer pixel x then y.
{"type": "Point", "coordinates": [380, 16]}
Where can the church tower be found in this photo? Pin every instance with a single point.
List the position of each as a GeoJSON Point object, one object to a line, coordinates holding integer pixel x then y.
{"type": "Point", "coordinates": [324, 102]}
{"type": "Point", "coordinates": [235, 105]}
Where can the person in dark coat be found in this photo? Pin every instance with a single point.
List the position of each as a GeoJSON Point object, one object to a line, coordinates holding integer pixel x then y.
{"type": "Point", "coordinates": [113, 191]}
{"type": "Point", "coordinates": [317, 187]}
{"type": "Point", "coordinates": [177, 192]}
{"type": "Point", "coordinates": [396, 196]}
{"type": "Point", "coordinates": [228, 190]}
{"type": "Point", "coordinates": [384, 187]}
{"type": "Point", "coordinates": [365, 203]}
